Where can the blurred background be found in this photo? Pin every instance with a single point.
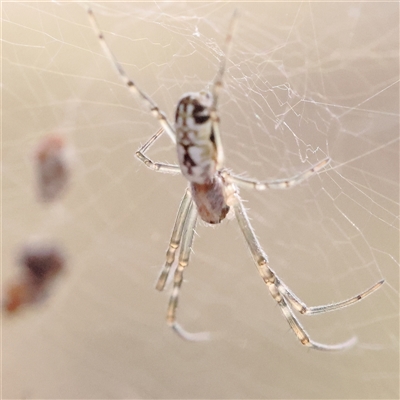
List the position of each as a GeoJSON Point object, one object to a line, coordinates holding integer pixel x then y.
{"type": "Point", "coordinates": [303, 81]}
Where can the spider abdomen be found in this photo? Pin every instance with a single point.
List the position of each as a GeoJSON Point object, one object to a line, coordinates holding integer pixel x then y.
{"type": "Point", "coordinates": [210, 200]}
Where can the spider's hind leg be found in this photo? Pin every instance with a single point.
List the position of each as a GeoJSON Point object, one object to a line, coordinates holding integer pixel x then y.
{"type": "Point", "coordinates": [180, 222]}
{"type": "Point", "coordinates": [275, 286]}
{"type": "Point", "coordinates": [187, 228]}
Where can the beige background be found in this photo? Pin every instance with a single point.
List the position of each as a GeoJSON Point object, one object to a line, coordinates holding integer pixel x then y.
{"type": "Point", "coordinates": [304, 80]}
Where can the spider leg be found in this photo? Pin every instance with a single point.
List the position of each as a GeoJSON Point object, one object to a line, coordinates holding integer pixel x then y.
{"type": "Point", "coordinates": [156, 166]}
{"type": "Point", "coordinates": [217, 86]}
{"type": "Point", "coordinates": [278, 183]}
{"type": "Point", "coordinates": [152, 106]}
{"type": "Point", "coordinates": [273, 283]}
{"type": "Point", "coordinates": [302, 308]}
{"type": "Point", "coordinates": [176, 237]}
{"type": "Point", "coordinates": [185, 249]}
{"type": "Point", "coordinates": [218, 80]}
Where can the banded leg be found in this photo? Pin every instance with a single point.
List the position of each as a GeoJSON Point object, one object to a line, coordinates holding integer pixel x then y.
{"type": "Point", "coordinates": [278, 183]}
{"type": "Point", "coordinates": [155, 166]}
{"type": "Point", "coordinates": [216, 89]}
{"type": "Point", "coordinates": [184, 256]}
{"type": "Point", "coordinates": [273, 283]}
{"type": "Point", "coordinates": [176, 237]}
{"type": "Point", "coordinates": [218, 80]}
{"type": "Point", "coordinates": [155, 111]}
{"type": "Point", "coordinates": [302, 308]}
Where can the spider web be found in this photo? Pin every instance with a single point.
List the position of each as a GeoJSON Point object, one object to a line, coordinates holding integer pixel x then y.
{"type": "Point", "coordinates": [304, 81]}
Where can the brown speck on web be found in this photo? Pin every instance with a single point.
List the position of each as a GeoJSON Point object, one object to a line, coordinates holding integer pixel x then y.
{"type": "Point", "coordinates": [40, 265]}
{"type": "Point", "coordinates": [52, 164]}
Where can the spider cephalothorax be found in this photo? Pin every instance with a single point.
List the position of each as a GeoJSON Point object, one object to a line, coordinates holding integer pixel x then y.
{"type": "Point", "coordinates": [195, 139]}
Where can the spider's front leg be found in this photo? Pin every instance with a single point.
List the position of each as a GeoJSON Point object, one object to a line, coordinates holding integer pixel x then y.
{"type": "Point", "coordinates": [128, 82]}
{"type": "Point", "coordinates": [158, 114]}
{"type": "Point", "coordinates": [155, 166]}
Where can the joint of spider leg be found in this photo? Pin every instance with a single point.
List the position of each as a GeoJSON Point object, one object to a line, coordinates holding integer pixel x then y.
{"type": "Point", "coordinates": [173, 246]}
{"type": "Point", "coordinates": [218, 85]}
{"type": "Point", "coordinates": [151, 165]}
{"type": "Point", "coordinates": [144, 159]}
{"type": "Point", "coordinates": [158, 113]}
{"type": "Point", "coordinates": [275, 293]}
{"type": "Point", "coordinates": [147, 162]}
{"type": "Point", "coordinates": [302, 310]}
{"type": "Point", "coordinates": [170, 253]}
{"type": "Point", "coordinates": [305, 341]}
{"type": "Point", "coordinates": [214, 115]}
{"type": "Point", "coordinates": [139, 155]}
{"type": "Point", "coordinates": [179, 270]}
{"type": "Point", "coordinates": [263, 265]}
{"type": "Point", "coordinates": [171, 315]}
{"type": "Point", "coordinates": [260, 186]}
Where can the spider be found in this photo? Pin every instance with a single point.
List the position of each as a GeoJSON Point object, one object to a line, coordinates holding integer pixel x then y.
{"type": "Point", "coordinates": [213, 191]}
